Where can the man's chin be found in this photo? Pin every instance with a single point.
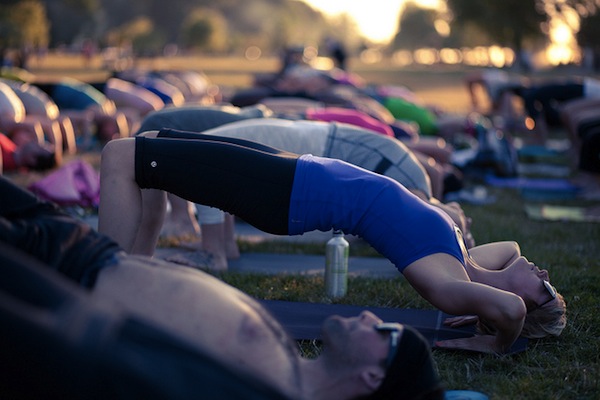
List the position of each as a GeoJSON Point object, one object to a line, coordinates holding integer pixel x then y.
{"type": "Point", "coordinates": [332, 328]}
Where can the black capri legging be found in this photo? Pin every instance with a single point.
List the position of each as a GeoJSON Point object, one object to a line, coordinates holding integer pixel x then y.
{"type": "Point", "coordinates": [247, 179]}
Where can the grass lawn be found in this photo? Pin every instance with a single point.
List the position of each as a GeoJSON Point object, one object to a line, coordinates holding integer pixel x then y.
{"type": "Point", "coordinates": [567, 367]}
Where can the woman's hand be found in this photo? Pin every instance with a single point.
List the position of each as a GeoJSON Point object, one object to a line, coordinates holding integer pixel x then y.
{"type": "Point", "coordinates": [442, 280]}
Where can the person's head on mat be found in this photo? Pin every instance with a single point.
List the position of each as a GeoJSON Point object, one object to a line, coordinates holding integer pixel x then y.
{"type": "Point", "coordinates": [290, 194]}
{"type": "Point", "coordinates": [406, 372]}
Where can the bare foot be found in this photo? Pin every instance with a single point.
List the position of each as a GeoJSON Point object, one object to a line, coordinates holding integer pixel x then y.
{"type": "Point", "coordinates": [232, 250]}
{"type": "Point", "coordinates": [176, 227]}
{"type": "Point", "coordinates": [199, 259]}
{"type": "Point", "coordinates": [218, 263]}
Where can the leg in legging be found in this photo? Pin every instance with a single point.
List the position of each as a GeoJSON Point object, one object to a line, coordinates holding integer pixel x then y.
{"type": "Point", "coordinates": [252, 184]}
{"type": "Point", "coordinates": [154, 207]}
{"type": "Point", "coordinates": [180, 219]}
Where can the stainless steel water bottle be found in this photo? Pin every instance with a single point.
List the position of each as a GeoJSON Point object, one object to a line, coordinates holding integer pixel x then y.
{"type": "Point", "coordinates": [336, 265]}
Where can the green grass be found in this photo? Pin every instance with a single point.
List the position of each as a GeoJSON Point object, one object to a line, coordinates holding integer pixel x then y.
{"type": "Point", "coordinates": [567, 367]}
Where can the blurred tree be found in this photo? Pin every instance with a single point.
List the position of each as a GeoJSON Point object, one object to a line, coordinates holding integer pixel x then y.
{"type": "Point", "coordinates": [269, 24]}
{"type": "Point", "coordinates": [71, 20]}
{"type": "Point", "coordinates": [87, 6]}
{"type": "Point", "coordinates": [205, 29]}
{"type": "Point", "coordinates": [298, 16]}
{"type": "Point", "coordinates": [285, 26]}
{"type": "Point", "coordinates": [170, 15]}
{"type": "Point", "coordinates": [141, 34]}
{"type": "Point", "coordinates": [509, 22]}
{"type": "Point", "coordinates": [344, 29]}
{"type": "Point", "coordinates": [588, 36]}
{"type": "Point", "coordinates": [24, 24]}
{"type": "Point", "coordinates": [416, 29]}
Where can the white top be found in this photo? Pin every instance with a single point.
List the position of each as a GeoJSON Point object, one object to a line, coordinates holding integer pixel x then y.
{"type": "Point", "coordinates": [300, 137]}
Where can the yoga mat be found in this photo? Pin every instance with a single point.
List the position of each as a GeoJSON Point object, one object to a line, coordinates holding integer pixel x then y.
{"type": "Point", "coordinates": [540, 153]}
{"type": "Point", "coordinates": [550, 212]}
{"type": "Point", "coordinates": [549, 194]}
{"type": "Point", "coordinates": [464, 395]}
{"type": "Point", "coordinates": [538, 189]}
{"type": "Point", "coordinates": [531, 183]}
{"type": "Point", "coordinates": [303, 320]}
{"type": "Point", "coordinates": [544, 170]}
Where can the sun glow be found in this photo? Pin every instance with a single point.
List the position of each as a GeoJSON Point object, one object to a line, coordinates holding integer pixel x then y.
{"type": "Point", "coordinates": [376, 19]}
{"type": "Point", "coordinates": [563, 46]}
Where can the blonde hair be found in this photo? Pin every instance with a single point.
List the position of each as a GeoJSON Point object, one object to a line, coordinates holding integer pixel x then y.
{"type": "Point", "coordinates": [547, 320]}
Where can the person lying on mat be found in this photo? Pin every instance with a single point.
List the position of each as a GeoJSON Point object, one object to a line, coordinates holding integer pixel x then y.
{"type": "Point", "coordinates": [362, 357]}
{"type": "Point", "coordinates": [288, 194]}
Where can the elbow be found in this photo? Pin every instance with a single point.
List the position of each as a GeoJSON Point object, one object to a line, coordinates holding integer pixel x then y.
{"type": "Point", "coordinates": [514, 311]}
{"type": "Point", "coordinates": [516, 248]}
{"type": "Point", "coordinates": [520, 309]}
{"type": "Point", "coordinates": [509, 316]}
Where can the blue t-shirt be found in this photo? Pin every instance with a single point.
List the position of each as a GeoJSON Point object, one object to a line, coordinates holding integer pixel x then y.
{"type": "Point", "coordinates": [329, 193]}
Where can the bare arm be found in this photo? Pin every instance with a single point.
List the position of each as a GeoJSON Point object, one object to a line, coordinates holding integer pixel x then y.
{"type": "Point", "coordinates": [442, 281]}
{"type": "Point", "coordinates": [496, 255]}
{"type": "Point", "coordinates": [491, 256]}
{"type": "Point", "coordinates": [472, 81]}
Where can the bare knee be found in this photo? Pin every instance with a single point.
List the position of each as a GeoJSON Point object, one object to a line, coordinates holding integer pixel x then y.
{"type": "Point", "coordinates": [119, 156]}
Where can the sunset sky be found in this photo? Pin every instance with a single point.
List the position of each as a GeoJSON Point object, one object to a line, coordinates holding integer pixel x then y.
{"type": "Point", "coordinates": [377, 19]}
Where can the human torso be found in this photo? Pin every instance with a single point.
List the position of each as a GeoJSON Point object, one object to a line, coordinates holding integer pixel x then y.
{"type": "Point", "coordinates": [202, 310]}
{"type": "Point", "coordinates": [300, 137]}
{"type": "Point", "coordinates": [377, 153]}
{"type": "Point", "coordinates": [349, 143]}
{"type": "Point", "coordinates": [195, 119]}
{"type": "Point", "coordinates": [331, 194]}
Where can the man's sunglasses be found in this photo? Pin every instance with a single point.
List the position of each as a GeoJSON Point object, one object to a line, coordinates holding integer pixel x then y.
{"type": "Point", "coordinates": [394, 329]}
